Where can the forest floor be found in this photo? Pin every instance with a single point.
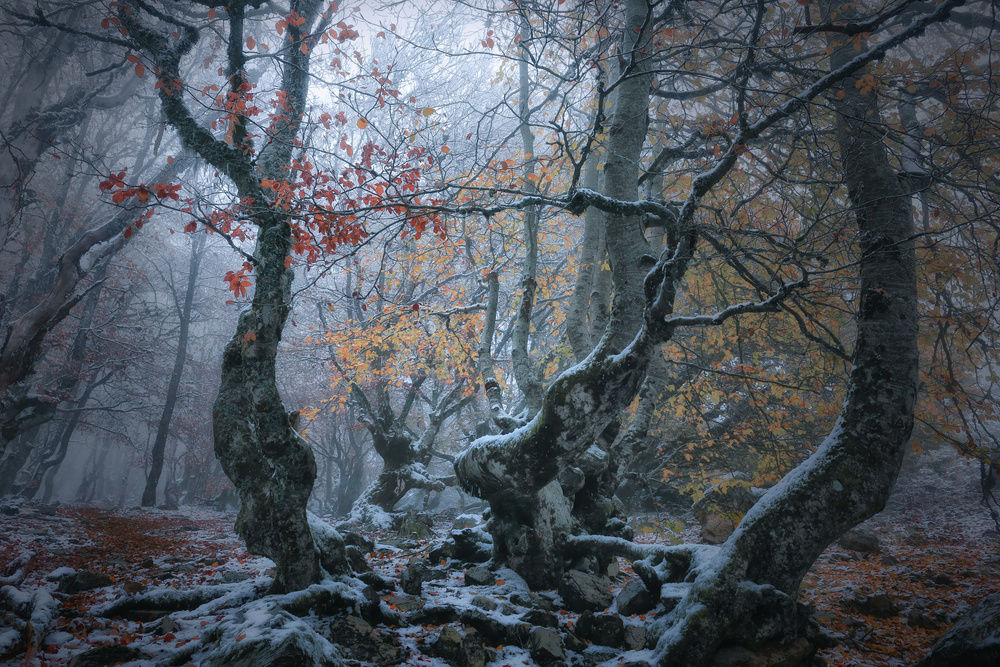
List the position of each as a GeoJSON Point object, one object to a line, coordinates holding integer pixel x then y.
{"type": "Point", "coordinates": [939, 554]}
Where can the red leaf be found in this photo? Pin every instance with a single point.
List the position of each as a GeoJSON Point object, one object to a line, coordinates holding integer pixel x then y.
{"type": "Point", "coordinates": [191, 227]}
{"type": "Point", "coordinates": [139, 70]}
{"type": "Point", "coordinates": [251, 44]}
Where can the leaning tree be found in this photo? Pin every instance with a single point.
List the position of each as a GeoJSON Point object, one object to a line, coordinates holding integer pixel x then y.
{"type": "Point", "coordinates": [743, 592]}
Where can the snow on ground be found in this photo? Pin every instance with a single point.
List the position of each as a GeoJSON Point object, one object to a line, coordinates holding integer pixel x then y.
{"type": "Point", "coordinates": [939, 554]}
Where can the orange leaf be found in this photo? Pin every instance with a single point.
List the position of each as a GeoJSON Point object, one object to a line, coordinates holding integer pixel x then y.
{"type": "Point", "coordinates": [139, 70]}
{"type": "Point", "coordinates": [241, 637]}
{"type": "Point", "coordinates": [132, 58]}
{"type": "Point", "coordinates": [362, 123]}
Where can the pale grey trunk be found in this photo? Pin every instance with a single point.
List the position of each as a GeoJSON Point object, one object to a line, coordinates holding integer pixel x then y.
{"type": "Point", "coordinates": [527, 378]}
{"type": "Point", "coordinates": [522, 476]}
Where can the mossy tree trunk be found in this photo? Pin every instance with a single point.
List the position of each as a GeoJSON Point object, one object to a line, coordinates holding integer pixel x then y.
{"type": "Point", "coordinates": [256, 442]}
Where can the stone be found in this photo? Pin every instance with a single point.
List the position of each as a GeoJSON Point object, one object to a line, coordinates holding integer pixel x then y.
{"type": "Point", "coordinates": [484, 602]}
{"type": "Point", "coordinates": [634, 637]}
{"type": "Point", "coordinates": [974, 640]}
{"type": "Point", "coordinates": [479, 576]}
{"type": "Point", "coordinates": [406, 603]}
{"type": "Point", "coordinates": [634, 599]}
{"type": "Point", "coordinates": [233, 577]}
{"type": "Point", "coordinates": [533, 600]}
{"type": "Point", "coordinates": [796, 653]}
{"type": "Point", "coordinates": [495, 631]}
{"type": "Point", "coordinates": [459, 650]}
{"type": "Point", "coordinates": [603, 629]}
{"type": "Point", "coordinates": [463, 521]}
{"type": "Point", "coordinates": [416, 525]}
{"type": "Point", "coordinates": [434, 614]}
{"type": "Point", "coordinates": [862, 540]}
{"type": "Point", "coordinates": [412, 579]}
{"type": "Point", "coordinates": [109, 654]}
{"type": "Point", "coordinates": [473, 545]}
{"type": "Point", "coordinates": [878, 606]}
{"type": "Point", "coordinates": [581, 591]}
{"type": "Point", "coordinates": [356, 559]}
{"type": "Point", "coordinates": [84, 581]}
{"type": "Point", "coordinates": [917, 619]}
{"type": "Point", "coordinates": [358, 640]}
{"type": "Point", "coordinates": [545, 646]}
{"type": "Point", "coordinates": [353, 539]}
{"type": "Point", "coordinates": [167, 625]}
{"type": "Point", "coordinates": [942, 580]}
{"type": "Point", "coordinates": [540, 617]}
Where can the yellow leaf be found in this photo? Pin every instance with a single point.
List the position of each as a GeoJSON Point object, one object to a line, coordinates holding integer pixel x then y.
{"type": "Point", "coordinates": [445, 149]}
{"type": "Point", "coordinates": [427, 111]}
{"type": "Point", "coordinates": [362, 123]}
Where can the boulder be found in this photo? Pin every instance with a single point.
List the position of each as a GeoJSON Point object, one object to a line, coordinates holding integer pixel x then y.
{"type": "Point", "coordinates": [635, 637]}
{"type": "Point", "coordinates": [84, 581]}
{"type": "Point", "coordinates": [483, 602]}
{"type": "Point", "coordinates": [862, 540]}
{"type": "Point", "coordinates": [479, 576]}
{"type": "Point", "coordinates": [634, 599]}
{"type": "Point", "coordinates": [974, 640]}
{"type": "Point", "coordinates": [357, 639]}
{"type": "Point", "coordinates": [603, 629]}
{"type": "Point", "coordinates": [458, 650]}
{"type": "Point", "coordinates": [582, 591]}
{"type": "Point", "coordinates": [545, 646]}
{"type": "Point", "coordinates": [495, 631]}
{"type": "Point", "coordinates": [415, 525]}
{"type": "Point", "coordinates": [473, 545]}
{"type": "Point", "coordinates": [416, 573]}
{"type": "Point", "coordinates": [540, 617]}
{"type": "Point", "coordinates": [293, 649]}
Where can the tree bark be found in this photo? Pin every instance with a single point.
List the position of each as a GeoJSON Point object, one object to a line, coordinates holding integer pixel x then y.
{"type": "Point", "coordinates": [173, 388]}
{"type": "Point", "coordinates": [747, 592]}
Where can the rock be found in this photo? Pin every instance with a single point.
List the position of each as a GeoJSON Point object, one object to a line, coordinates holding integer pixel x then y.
{"type": "Point", "coordinates": [473, 545]}
{"type": "Point", "coordinates": [434, 614]}
{"type": "Point", "coordinates": [466, 521]}
{"type": "Point", "coordinates": [459, 650]}
{"type": "Point", "coordinates": [974, 640]}
{"type": "Point", "coordinates": [353, 539]}
{"type": "Point", "coordinates": [167, 625]}
{"type": "Point", "coordinates": [634, 599]}
{"type": "Point", "coordinates": [377, 581]}
{"type": "Point", "coordinates": [917, 619]}
{"type": "Point", "coordinates": [863, 540]}
{"type": "Point", "coordinates": [715, 528]}
{"type": "Point", "coordinates": [797, 653]}
{"type": "Point", "coordinates": [545, 646]}
{"type": "Point", "coordinates": [634, 637]}
{"type": "Point", "coordinates": [533, 600]}
{"type": "Point", "coordinates": [495, 631]}
{"type": "Point", "coordinates": [484, 602]}
{"type": "Point", "coordinates": [416, 526]}
{"type": "Point", "coordinates": [582, 591]}
{"type": "Point", "coordinates": [888, 560]}
{"type": "Point", "coordinates": [479, 576]}
{"type": "Point", "coordinates": [574, 643]}
{"type": "Point", "coordinates": [233, 577]}
{"type": "Point", "coordinates": [942, 580]}
{"type": "Point", "coordinates": [356, 559]}
{"type": "Point", "coordinates": [109, 654]}
{"type": "Point", "coordinates": [358, 640]}
{"type": "Point", "coordinates": [148, 563]}
{"type": "Point", "coordinates": [405, 603]}
{"type": "Point", "coordinates": [545, 619]}
{"type": "Point", "coordinates": [9, 510]}
{"type": "Point", "coordinates": [603, 629]}
{"type": "Point", "coordinates": [84, 581]}
{"type": "Point", "coordinates": [878, 606]}
{"type": "Point", "coordinates": [413, 577]}
{"type": "Point", "coordinates": [133, 587]}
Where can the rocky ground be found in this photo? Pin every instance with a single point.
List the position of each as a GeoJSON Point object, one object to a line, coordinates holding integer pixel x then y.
{"type": "Point", "coordinates": [149, 587]}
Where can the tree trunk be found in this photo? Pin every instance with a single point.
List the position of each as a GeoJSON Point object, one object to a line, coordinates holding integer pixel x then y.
{"type": "Point", "coordinates": [532, 507]}
{"type": "Point", "coordinates": [747, 593]}
{"type": "Point", "coordinates": [163, 428]}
